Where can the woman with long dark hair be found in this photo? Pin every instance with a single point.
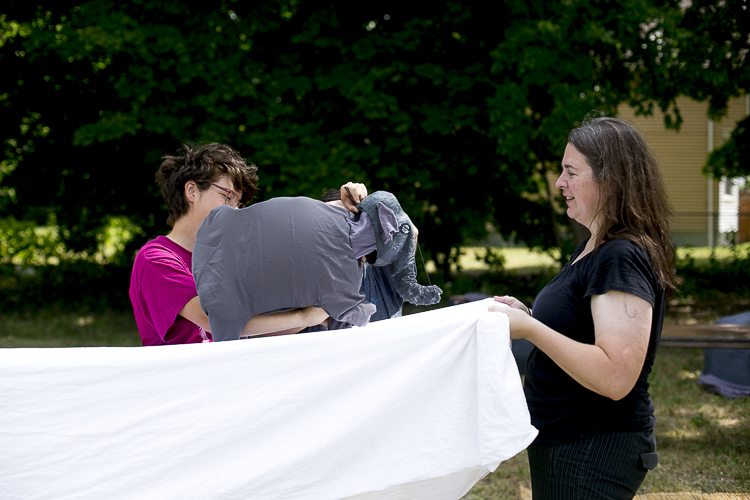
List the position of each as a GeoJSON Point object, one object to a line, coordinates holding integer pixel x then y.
{"type": "Point", "coordinates": [597, 324]}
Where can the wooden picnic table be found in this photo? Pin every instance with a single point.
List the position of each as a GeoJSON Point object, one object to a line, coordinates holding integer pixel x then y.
{"type": "Point", "coordinates": [706, 336]}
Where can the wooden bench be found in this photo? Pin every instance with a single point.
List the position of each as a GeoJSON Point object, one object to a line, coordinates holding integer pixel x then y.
{"type": "Point", "coordinates": [706, 336]}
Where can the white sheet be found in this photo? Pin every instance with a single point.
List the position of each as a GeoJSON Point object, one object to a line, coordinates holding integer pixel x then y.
{"type": "Point", "coordinates": [421, 406]}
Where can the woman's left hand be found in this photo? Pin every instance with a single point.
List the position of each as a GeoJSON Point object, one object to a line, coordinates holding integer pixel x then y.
{"type": "Point", "coordinates": [512, 302]}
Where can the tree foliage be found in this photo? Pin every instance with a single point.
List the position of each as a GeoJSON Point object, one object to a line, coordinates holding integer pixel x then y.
{"type": "Point", "coordinates": [710, 48]}
{"type": "Point", "coordinates": [460, 109]}
{"type": "Point", "coordinates": [732, 159]}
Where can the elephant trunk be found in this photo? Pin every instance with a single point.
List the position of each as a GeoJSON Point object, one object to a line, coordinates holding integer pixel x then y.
{"type": "Point", "coordinates": [405, 282]}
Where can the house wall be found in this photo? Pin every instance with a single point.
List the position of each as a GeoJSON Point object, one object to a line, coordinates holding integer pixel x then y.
{"type": "Point", "coordinates": [682, 154]}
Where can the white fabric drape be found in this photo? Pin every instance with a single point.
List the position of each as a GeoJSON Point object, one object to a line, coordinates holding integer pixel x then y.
{"type": "Point", "coordinates": [421, 406]}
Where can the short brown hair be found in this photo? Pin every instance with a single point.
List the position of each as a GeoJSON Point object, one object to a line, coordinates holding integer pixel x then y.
{"type": "Point", "coordinates": [634, 204]}
{"type": "Point", "coordinates": [203, 165]}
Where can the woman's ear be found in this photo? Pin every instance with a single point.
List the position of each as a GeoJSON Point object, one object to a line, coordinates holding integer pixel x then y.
{"type": "Point", "coordinates": [191, 191]}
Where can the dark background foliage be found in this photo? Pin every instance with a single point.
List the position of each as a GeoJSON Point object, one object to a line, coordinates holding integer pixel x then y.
{"type": "Point", "coordinates": [461, 109]}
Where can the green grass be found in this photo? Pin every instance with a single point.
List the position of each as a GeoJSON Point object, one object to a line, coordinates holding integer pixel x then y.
{"type": "Point", "coordinates": [53, 328]}
{"type": "Point", "coordinates": [530, 260]}
{"type": "Point", "coordinates": [703, 440]}
{"type": "Point", "coordinates": [523, 260]}
{"type": "Point", "coordinates": [702, 255]}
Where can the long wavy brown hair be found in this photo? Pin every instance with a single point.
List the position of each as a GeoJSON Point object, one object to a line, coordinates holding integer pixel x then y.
{"type": "Point", "coordinates": [203, 165]}
{"type": "Point", "coordinates": [633, 202]}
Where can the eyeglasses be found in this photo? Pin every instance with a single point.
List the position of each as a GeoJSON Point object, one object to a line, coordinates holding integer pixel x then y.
{"type": "Point", "coordinates": [230, 198]}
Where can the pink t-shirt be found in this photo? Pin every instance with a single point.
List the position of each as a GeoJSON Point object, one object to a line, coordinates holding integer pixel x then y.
{"type": "Point", "coordinates": [160, 285]}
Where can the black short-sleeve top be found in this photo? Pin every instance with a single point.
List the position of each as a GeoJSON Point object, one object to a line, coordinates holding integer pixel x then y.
{"type": "Point", "coordinates": [561, 408]}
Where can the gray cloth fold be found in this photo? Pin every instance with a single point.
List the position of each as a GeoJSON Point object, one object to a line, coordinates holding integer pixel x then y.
{"type": "Point", "coordinates": [388, 222]}
{"type": "Point", "coordinates": [727, 371]}
{"type": "Point", "coordinates": [362, 235]}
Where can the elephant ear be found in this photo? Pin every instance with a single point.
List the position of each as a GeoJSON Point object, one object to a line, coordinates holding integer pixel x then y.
{"type": "Point", "coordinates": [388, 223]}
{"type": "Point", "coordinates": [387, 217]}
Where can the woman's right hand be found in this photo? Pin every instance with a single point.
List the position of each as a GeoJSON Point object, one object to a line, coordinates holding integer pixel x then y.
{"type": "Point", "coordinates": [518, 314]}
{"type": "Point", "coordinates": [513, 302]}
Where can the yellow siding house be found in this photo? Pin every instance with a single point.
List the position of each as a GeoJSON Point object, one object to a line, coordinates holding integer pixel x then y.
{"type": "Point", "coordinates": [706, 208]}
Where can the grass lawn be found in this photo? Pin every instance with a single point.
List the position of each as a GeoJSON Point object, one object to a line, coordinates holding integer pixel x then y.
{"type": "Point", "coordinates": [53, 328]}
{"type": "Point", "coordinates": [703, 254]}
{"type": "Point", "coordinates": [526, 260]}
{"type": "Point", "coordinates": [703, 440]}
{"type": "Point", "coordinates": [522, 260]}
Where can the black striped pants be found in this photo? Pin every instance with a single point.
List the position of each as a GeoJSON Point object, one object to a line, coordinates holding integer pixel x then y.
{"type": "Point", "coordinates": [607, 466]}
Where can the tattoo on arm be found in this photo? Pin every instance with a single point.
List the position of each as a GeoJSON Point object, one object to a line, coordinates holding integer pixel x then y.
{"type": "Point", "coordinates": [625, 307]}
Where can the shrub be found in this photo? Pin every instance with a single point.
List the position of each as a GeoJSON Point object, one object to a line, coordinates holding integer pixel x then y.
{"type": "Point", "coordinates": [70, 285]}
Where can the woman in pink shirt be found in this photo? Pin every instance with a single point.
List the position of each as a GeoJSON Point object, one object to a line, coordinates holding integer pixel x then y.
{"type": "Point", "coordinates": [165, 302]}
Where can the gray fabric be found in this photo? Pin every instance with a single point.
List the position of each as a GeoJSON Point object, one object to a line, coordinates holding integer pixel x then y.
{"type": "Point", "coordinates": [396, 246]}
{"type": "Point", "coordinates": [727, 371]}
{"type": "Point", "coordinates": [735, 319]}
{"type": "Point", "coordinates": [362, 235]}
{"type": "Point", "coordinates": [388, 222]}
{"type": "Point", "coordinates": [275, 256]}
{"type": "Point", "coordinates": [722, 387]}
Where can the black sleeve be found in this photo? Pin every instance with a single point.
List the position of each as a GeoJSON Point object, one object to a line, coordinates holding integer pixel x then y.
{"type": "Point", "coordinates": [623, 266]}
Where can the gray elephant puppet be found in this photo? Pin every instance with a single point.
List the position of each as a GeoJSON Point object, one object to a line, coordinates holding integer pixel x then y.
{"type": "Point", "coordinates": [291, 253]}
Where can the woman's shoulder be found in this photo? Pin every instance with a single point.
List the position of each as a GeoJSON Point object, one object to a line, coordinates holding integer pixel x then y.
{"type": "Point", "coordinates": [160, 249]}
{"type": "Point", "coordinates": [624, 254]}
{"type": "Point", "coordinates": [156, 246]}
{"type": "Point", "coordinates": [622, 247]}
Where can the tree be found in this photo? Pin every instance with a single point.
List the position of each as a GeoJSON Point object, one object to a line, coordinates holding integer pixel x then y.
{"type": "Point", "coordinates": [461, 109]}
{"type": "Point", "coordinates": [732, 159]}
{"type": "Point", "coordinates": [725, 42]}
{"type": "Point", "coordinates": [702, 52]}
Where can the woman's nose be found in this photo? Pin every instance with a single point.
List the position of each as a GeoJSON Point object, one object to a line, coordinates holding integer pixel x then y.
{"type": "Point", "coordinates": [559, 184]}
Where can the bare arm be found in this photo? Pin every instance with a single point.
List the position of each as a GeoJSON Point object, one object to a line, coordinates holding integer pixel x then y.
{"type": "Point", "coordinates": [610, 367]}
{"type": "Point", "coordinates": [193, 313]}
{"type": "Point", "coordinates": [280, 323]}
{"type": "Point", "coordinates": [284, 322]}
